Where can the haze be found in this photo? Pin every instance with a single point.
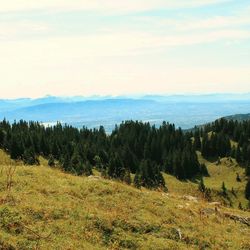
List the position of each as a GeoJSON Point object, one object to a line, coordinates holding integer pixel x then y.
{"type": "Point", "coordinates": [123, 47]}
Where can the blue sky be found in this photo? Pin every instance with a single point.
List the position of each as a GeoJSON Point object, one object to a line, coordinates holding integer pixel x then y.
{"type": "Point", "coordinates": [115, 47]}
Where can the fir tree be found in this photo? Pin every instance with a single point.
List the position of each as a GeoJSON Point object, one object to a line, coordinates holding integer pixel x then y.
{"type": "Point", "coordinates": [127, 177]}
{"type": "Point", "coordinates": [203, 170]}
{"type": "Point", "coordinates": [51, 161]}
{"type": "Point", "coordinates": [247, 170]}
{"type": "Point", "coordinates": [247, 190]}
{"type": "Point", "coordinates": [224, 189]}
{"type": "Point", "coordinates": [29, 157]}
{"type": "Point", "coordinates": [137, 179]}
{"type": "Point", "coordinates": [197, 140]}
{"type": "Point", "coordinates": [202, 187]}
{"type": "Point", "coordinates": [86, 169]}
{"type": "Point", "coordinates": [149, 175]}
{"type": "Point", "coordinates": [76, 164]}
{"type": "Point", "coordinates": [205, 148]}
{"type": "Point", "coordinates": [116, 168]}
{"type": "Point", "coordinates": [240, 206]}
{"type": "Point", "coordinates": [238, 156]}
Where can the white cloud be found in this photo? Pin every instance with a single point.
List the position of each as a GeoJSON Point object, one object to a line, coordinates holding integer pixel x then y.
{"type": "Point", "coordinates": [217, 22]}
{"type": "Point", "coordinates": [9, 30]}
{"type": "Point", "coordinates": [105, 64]}
{"type": "Point", "coordinates": [193, 23]}
{"type": "Point", "coordinates": [108, 6]}
{"type": "Point", "coordinates": [115, 44]}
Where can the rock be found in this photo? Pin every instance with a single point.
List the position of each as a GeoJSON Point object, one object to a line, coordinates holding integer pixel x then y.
{"type": "Point", "coordinates": [238, 218]}
{"type": "Point", "coordinates": [215, 204]}
{"type": "Point", "coordinates": [190, 198]}
{"type": "Point", "coordinates": [179, 233]}
{"type": "Point", "coordinates": [207, 211]}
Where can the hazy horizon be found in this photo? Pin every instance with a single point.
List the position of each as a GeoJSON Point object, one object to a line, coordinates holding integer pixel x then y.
{"type": "Point", "coordinates": [132, 95]}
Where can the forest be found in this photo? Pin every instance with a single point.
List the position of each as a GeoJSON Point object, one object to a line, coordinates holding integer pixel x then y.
{"type": "Point", "coordinates": [133, 147]}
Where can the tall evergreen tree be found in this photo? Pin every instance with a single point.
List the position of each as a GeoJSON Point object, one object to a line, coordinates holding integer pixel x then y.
{"type": "Point", "coordinates": [197, 140]}
{"type": "Point", "coordinates": [149, 175]}
{"type": "Point", "coordinates": [247, 190]}
{"type": "Point", "coordinates": [51, 161]}
{"type": "Point", "coordinates": [202, 187]}
{"type": "Point", "coordinates": [116, 168]}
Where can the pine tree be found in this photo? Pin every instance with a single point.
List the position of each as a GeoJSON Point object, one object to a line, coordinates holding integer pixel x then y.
{"type": "Point", "coordinates": [127, 177]}
{"type": "Point", "coordinates": [51, 161]}
{"type": "Point", "coordinates": [205, 147]}
{"type": "Point", "coordinates": [197, 140]}
{"type": "Point", "coordinates": [98, 162]}
{"type": "Point", "coordinates": [240, 206]}
{"type": "Point", "coordinates": [224, 189]}
{"type": "Point", "coordinates": [247, 190]}
{"type": "Point", "coordinates": [15, 148]}
{"type": "Point", "coordinates": [86, 169]}
{"type": "Point", "coordinates": [202, 186]}
{"type": "Point", "coordinates": [1, 137]}
{"type": "Point", "coordinates": [247, 171]}
{"type": "Point", "coordinates": [76, 165]}
{"type": "Point", "coordinates": [238, 156]}
{"type": "Point", "coordinates": [115, 168]}
{"type": "Point", "coordinates": [137, 179]}
{"type": "Point", "coordinates": [178, 165]}
{"type": "Point", "coordinates": [66, 163]}
{"type": "Point", "coordinates": [203, 170]}
{"type": "Point", "coordinates": [29, 157]}
{"type": "Point", "coordinates": [149, 175]}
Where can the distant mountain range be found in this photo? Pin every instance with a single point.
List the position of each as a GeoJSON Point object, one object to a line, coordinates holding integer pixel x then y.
{"type": "Point", "coordinates": [185, 111]}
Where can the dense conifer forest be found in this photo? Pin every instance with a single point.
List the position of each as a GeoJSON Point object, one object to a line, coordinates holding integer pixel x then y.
{"type": "Point", "coordinates": [132, 148]}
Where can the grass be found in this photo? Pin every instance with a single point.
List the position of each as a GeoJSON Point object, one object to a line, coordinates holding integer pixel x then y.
{"type": "Point", "coordinates": [49, 209]}
{"type": "Point", "coordinates": [226, 172]}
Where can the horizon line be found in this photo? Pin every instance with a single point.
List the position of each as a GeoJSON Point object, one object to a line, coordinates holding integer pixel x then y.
{"type": "Point", "coordinates": [129, 95]}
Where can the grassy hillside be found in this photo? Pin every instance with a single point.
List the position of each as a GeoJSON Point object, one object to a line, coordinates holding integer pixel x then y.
{"type": "Point", "coordinates": [48, 209]}
{"type": "Point", "coordinates": [226, 172]}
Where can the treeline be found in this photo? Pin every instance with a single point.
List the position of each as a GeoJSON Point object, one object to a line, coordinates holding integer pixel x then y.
{"type": "Point", "coordinates": [133, 147]}
{"type": "Point", "coordinates": [216, 138]}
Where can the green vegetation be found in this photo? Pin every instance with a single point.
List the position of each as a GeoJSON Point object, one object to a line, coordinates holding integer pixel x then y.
{"type": "Point", "coordinates": [48, 209]}
{"type": "Point", "coordinates": [64, 188]}
{"type": "Point", "coordinates": [132, 148]}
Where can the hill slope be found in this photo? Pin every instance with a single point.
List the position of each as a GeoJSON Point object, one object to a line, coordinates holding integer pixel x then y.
{"type": "Point", "coordinates": [48, 209]}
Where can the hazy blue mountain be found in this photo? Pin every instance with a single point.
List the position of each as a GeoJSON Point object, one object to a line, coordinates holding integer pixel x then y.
{"type": "Point", "coordinates": [184, 111]}
{"type": "Point", "coordinates": [205, 98]}
{"type": "Point", "coordinates": [238, 117]}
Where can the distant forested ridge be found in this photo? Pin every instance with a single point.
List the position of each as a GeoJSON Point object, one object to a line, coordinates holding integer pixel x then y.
{"type": "Point", "coordinates": [238, 117]}
{"type": "Point", "coordinates": [132, 147]}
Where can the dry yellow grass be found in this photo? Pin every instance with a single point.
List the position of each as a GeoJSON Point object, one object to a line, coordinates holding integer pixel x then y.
{"type": "Point", "coordinates": [49, 209]}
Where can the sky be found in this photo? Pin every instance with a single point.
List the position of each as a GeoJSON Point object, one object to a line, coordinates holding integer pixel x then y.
{"type": "Point", "coordinates": [112, 47]}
